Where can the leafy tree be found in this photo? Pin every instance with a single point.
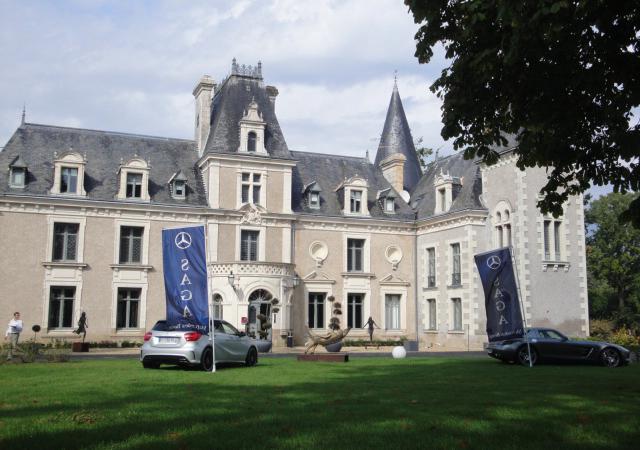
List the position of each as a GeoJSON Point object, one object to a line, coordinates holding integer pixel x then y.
{"type": "Point", "coordinates": [613, 261]}
{"type": "Point", "coordinates": [560, 77]}
{"type": "Point", "coordinates": [422, 152]}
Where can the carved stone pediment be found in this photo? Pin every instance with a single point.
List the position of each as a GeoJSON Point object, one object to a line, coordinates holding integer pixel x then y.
{"type": "Point", "coordinates": [394, 280]}
{"type": "Point", "coordinates": [252, 214]}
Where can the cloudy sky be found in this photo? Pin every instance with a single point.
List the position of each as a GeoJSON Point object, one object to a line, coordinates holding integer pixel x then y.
{"type": "Point", "coordinates": [131, 66]}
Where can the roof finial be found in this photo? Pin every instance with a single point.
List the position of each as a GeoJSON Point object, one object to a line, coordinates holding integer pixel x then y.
{"type": "Point", "coordinates": [24, 113]}
{"type": "Point", "coordinates": [367, 156]}
{"type": "Point", "coordinates": [395, 80]}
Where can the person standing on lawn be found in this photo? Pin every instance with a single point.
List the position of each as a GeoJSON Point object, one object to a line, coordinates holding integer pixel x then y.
{"type": "Point", "coordinates": [13, 333]}
{"type": "Point", "coordinates": [370, 323]}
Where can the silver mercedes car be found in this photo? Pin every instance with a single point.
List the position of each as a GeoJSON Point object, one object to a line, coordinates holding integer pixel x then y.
{"type": "Point", "coordinates": [190, 348]}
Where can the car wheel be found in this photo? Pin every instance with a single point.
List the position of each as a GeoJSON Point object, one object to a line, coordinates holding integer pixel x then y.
{"type": "Point", "coordinates": [150, 365]}
{"type": "Point", "coordinates": [610, 357]}
{"type": "Point", "coordinates": [206, 361]}
{"type": "Point", "coordinates": [252, 357]}
{"type": "Point", "coordinates": [523, 356]}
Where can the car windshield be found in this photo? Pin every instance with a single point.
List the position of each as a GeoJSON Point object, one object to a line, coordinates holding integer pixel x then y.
{"type": "Point", "coordinates": [552, 334]}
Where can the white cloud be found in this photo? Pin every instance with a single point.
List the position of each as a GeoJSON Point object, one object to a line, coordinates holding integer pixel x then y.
{"type": "Point", "coordinates": [131, 66]}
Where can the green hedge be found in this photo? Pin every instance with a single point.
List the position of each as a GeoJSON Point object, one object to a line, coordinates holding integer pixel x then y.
{"type": "Point", "coordinates": [375, 342]}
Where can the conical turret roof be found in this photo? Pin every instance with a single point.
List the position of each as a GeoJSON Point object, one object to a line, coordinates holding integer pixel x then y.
{"type": "Point", "coordinates": [396, 138]}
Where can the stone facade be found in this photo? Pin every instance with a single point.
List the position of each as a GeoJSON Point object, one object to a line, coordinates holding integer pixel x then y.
{"type": "Point", "coordinates": [83, 231]}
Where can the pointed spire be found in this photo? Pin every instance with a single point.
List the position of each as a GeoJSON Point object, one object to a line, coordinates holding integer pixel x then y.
{"type": "Point", "coordinates": [24, 113]}
{"type": "Point", "coordinates": [396, 138]}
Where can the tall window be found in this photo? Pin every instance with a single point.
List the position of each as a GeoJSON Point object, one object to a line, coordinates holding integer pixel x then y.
{"type": "Point", "coordinates": [456, 304]}
{"type": "Point", "coordinates": [69, 180]}
{"type": "Point", "coordinates": [249, 245]}
{"type": "Point", "coordinates": [354, 310]}
{"type": "Point", "coordinates": [356, 201]}
{"type": "Point", "coordinates": [442, 195]}
{"type": "Point", "coordinates": [61, 307]}
{"type": "Point", "coordinates": [131, 245]}
{"type": "Point", "coordinates": [217, 306]}
{"type": "Point", "coordinates": [128, 307]}
{"type": "Point", "coordinates": [355, 255]}
{"type": "Point", "coordinates": [431, 303]}
{"type": "Point", "coordinates": [547, 240]}
{"type": "Point", "coordinates": [456, 277]}
{"type": "Point", "coordinates": [251, 141]}
{"type": "Point", "coordinates": [556, 239]}
{"type": "Point", "coordinates": [507, 235]}
{"type": "Point", "coordinates": [65, 241]}
{"type": "Point", "coordinates": [251, 186]}
{"type": "Point", "coordinates": [499, 236]}
{"type": "Point", "coordinates": [316, 310]}
{"type": "Point", "coordinates": [392, 311]}
{"type": "Point", "coordinates": [502, 223]}
{"type": "Point", "coordinates": [134, 185]}
{"type": "Point", "coordinates": [431, 267]}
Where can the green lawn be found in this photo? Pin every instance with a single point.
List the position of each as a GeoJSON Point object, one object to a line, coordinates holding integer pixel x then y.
{"type": "Point", "coordinates": [376, 403]}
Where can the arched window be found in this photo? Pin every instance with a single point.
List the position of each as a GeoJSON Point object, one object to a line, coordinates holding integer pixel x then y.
{"type": "Point", "coordinates": [502, 224]}
{"type": "Point", "coordinates": [251, 142]}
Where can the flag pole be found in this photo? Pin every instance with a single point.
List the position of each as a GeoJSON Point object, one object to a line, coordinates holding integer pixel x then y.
{"type": "Point", "coordinates": [524, 318]}
{"type": "Point", "coordinates": [209, 300]}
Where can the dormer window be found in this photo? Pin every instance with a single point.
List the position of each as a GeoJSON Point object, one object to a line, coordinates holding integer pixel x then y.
{"type": "Point", "coordinates": [18, 173]}
{"type": "Point", "coordinates": [178, 185]}
{"type": "Point", "coordinates": [69, 180]}
{"type": "Point", "coordinates": [134, 185]}
{"type": "Point", "coordinates": [447, 188]}
{"type": "Point", "coordinates": [251, 142]}
{"type": "Point", "coordinates": [356, 201]}
{"type": "Point", "coordinates": [314, 200]}
{"type": "Point", "coordinates": [134, 180]}
{"type": "Point", "coordinates": [252, 128]}
{"type": "Point", "coordinates": [251, 189]}
{"type": "Point", "coordinates": [389, 205]}
{"type": "Point", "coordinates": [352, 194]}
{"type": "Point", "coordinates": [69, 174]}
{"type": "Point", "coordinates": [179, 189]}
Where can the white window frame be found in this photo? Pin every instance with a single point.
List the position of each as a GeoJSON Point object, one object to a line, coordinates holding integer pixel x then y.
{"type": "Point", "coordinates": [402, 294]}
{"type": "Point", "coordinates": [324, 310]}
{"type": "Point", "coordinates": [71, 160]}
{"type": "Point", "coordinates": [80, 221]}
{"type": "Point", "coordinates": [312, 204]}
{"type": "Point", "coordinates": [428, 267]}
{"type": "Point", "coordinates": [12, 174]}
{"type": "Point", "coordinates": [135, 166]}
{"type": "Point", "coordinates": [365, 310]}
{"type": "Point", "coordinates": [452, 317]}
{"type": "Point", "coordinates": [366, 263]}
{"type": "Point", "coordinates": [389, 205]}
{"type": "Point", "coordinates": [118, 224]}
{"type": "Point", "coordinates": [142, 311]}
{"type": "Point", "coordinates": [262, 237]}
{"type": "Point", "coordinates": [250, 183]}
{"type": "Point", "coordinates": [432, 316]}
{"type": "Point", "coordinates": [127, 311]}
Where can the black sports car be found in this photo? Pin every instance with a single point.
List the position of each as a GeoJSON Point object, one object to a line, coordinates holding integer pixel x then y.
{"type": "Point", "coordinates": [552, 346]}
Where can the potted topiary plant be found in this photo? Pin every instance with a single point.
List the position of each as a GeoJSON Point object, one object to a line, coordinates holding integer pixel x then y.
{"type": "Point", "coordinates": [334, 324]}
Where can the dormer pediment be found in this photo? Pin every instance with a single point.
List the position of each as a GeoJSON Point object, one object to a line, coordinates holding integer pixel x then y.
{"type": "Point", "coordinates": [252, 128]}
{"type": "Point", "coordinates": [252, 114]}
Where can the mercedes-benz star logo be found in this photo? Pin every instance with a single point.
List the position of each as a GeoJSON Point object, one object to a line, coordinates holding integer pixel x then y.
{"type": "Point", "coordinates": [493, 262]}
{"type": "Point", "coordinates": [183, 240]}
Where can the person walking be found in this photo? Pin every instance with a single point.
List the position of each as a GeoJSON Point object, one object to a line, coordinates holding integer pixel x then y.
{"type": "Point", "coordinates": [370, 323]}
{"type": "Point", "coordinates": [13, 334]}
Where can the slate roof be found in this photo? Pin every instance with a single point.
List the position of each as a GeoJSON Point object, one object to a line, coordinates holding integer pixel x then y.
{"type": "Point", "coordinates": [36, 145]}
{"type": "Point", "coordinates": [423, 197]}
{"type": "Point", "coordinates": [329, 171]}
{"type": "Point", "coordinates": [227, 108]}
{"type": "Point", "coordinates": [396, 138]}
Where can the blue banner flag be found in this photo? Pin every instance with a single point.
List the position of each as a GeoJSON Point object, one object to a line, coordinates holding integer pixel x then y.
{"type": "Point", "coordinates": [185, 278]}
{"type": "Point", "coordinates": [504, 318]}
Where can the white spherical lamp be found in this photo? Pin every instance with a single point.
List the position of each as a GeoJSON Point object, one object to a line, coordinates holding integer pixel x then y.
{"type": "Point", "coordinates": [398, 352]}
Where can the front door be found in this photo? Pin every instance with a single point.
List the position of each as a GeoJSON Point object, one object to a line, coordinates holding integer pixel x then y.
{"type": "Point", "coordinates": [259, 314]}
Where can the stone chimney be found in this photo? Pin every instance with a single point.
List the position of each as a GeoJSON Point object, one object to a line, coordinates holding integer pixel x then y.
{"type": "Point", "coordinates": [393, 170]}
{"type": "Point", "coordinates": [203, 92]}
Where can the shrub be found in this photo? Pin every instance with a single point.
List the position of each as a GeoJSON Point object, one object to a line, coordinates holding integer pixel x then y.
{"type": "Point", "coordinates": [58, 355]}
{"type": "Point", "coordinates": [623, 336]}
{"type": "Point", "coordinates": [375, 342]}
{"type": "Point", "coordinates": [29, 351]}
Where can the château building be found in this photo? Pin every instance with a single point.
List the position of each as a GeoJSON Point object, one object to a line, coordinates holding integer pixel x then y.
{"type": "Point", "coordinates": [82, 211]}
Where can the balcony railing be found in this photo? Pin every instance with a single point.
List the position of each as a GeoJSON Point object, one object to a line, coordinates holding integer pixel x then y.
{"type": "Point", "coordinates": [240, 268]}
